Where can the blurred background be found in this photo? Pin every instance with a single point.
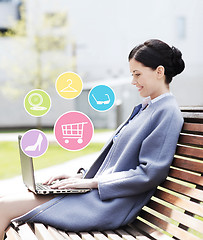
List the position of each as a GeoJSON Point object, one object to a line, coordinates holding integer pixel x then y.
{"type": "Point", "coordinates": [40, 39]}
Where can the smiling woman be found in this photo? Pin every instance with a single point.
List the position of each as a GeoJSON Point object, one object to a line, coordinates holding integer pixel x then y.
{"type": "Point", "coordinates": [134, 161]}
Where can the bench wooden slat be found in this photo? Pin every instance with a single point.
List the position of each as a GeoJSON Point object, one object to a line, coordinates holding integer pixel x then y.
{"type": "Point", "coordinates": [12, 234]}
{"type": "Point", "coordinates": [26, 232]}
{"type": "Point", "coordinates": [188, 165]}
{"type": "Point", "coordinates": [99, 236]}
{"type": "Point", "coordinates": [189, 152]}
{"type": "Point", "coordinates": [112, 235]}
{"type": "Point", "coordinates": [179, 202]}
{"type": "Point", "coordinates": [191, 192]}
{"type": "Point", "coordinates": [55, 233]}
{"type": "Point", "coordinates": [86, 236]}
{"type": "Point", "coordinates": [64, 235]}
{"type": "Point", "coordinates": [151, 231]}
{"type": "Point", "coordinates": [186, 176]}
{"type": "Point", "coordinates": [74, 236]}
{"type": "Point", "coordinates": [131, 229]}
{"type": "Point", "coordinates": [190, 139]}
{"type": "Point", "coordinates": [168, 227]}
{"type": "Point", "coordinates": [42, 233]}
{"type": "Point", "coordinates": [193, 127]}
{"type": "Point", "coordinates": [178, 216]}
{"type": "Point", "coordinates": [124, 235]}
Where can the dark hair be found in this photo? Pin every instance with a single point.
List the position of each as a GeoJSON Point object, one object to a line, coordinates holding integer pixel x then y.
{"type": "Point", "coordinates": [154, 53]}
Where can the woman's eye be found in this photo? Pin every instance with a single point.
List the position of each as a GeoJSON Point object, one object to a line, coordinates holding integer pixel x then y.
{"type": "Point", "coordinates": [135, 75]}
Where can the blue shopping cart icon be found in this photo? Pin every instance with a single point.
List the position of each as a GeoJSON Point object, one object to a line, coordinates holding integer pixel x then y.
{"type": "Point", "coordinates": [101, 98]}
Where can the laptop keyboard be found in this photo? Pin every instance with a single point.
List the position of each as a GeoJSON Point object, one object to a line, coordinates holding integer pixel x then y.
{"type": "Point", "coordinates": [41, 186]}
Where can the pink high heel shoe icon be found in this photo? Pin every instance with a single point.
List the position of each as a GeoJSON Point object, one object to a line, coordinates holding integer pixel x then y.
{"type": "Point", "coordinates": [38, 143]}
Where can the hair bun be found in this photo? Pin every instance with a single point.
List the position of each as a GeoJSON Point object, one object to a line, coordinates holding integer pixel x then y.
{"type": "Point", "coordinates": [177, 61]}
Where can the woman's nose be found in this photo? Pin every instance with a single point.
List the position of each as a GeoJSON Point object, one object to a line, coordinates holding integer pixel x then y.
{"type": "Point", "coordinates": [133, 82]}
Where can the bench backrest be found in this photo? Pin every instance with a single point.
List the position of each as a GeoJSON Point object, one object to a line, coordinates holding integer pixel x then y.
{"type": "Point", "coordinates": [176, 209]}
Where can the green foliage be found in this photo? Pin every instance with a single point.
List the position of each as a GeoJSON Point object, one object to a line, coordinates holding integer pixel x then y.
{"type": "Point", "coordinates": [35, 51]}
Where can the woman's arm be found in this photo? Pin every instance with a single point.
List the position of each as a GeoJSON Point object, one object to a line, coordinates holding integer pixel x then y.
{"type": "Point", "coordinates": [155, 157]}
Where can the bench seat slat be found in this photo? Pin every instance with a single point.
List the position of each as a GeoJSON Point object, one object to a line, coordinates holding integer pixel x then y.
{"type": "Point", "coordinates": [188, 165]}
{"type": "Point", "coordinates": [189, 152]}
{"type": "Point", "coordinates": [179, 202]}
{"type": "Point", "coordinates": [74, 236]}
{"type": "Point", "coordinates": [41, 232]}
{"type": "Point", "coordinates": [150, 231]}
{"type": "Point", "coordinates": [12, 234]}
{"type": "Point", "coordinates": [131, 229]}
{"type": "Point", "coordinates": [170, 228]}
{"type": "Point", "coordinates": [124, 235]}
{"type": "Point", "coordinates": [191, 192]}
{"type": "Point", "coordinates": [26, 232]}
{"type": "Point", "coordinates": [64, 235]}
{"type": "Point", "coordinates": [98, 235]}
{"type": "Point", "coordinates": [193, 127]}
{"type": "Point", "coordinates": [178, 216]}
{"type": "Point", "coordinates": [111, 235]}
{"type": "Point", "coordinates": [55, 233]}
{"type": "Point", "coordinates": [86, 236]}
{"type": "Point", "coordinates": [190, 139]}
{"type": "Point", "coordinates": [186, 176]}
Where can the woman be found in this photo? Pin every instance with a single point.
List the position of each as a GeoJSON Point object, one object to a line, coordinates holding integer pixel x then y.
{"type": "Point", "coordinates": [132, 163]}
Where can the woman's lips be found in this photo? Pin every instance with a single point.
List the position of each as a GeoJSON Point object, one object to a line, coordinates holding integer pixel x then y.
{"type": "Point", "coordinates": [140, 88]}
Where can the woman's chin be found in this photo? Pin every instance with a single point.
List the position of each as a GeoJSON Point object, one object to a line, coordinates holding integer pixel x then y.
{"type": "Point", "coordinates": [142, 94]}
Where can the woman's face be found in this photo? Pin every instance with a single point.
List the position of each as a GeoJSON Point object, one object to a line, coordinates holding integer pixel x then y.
{"type": "Point", "coordinates": [149, 82]}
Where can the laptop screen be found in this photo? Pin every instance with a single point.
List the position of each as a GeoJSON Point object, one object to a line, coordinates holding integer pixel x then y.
{"type": "Point", "coordinates": [27, 168]}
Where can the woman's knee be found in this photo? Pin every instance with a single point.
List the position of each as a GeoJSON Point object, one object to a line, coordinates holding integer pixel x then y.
{"type": "Point", "coordinates": [4, 213]}
{"type": "Point", "coordinates": [13, 206]}
{"type": "Point", "coordinates": [2, 206]}
{"type": "Point", "coordinates": [5, 210]}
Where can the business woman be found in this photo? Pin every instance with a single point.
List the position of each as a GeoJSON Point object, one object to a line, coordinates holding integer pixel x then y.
{"type": "Point", "coordinates": [131, 164]}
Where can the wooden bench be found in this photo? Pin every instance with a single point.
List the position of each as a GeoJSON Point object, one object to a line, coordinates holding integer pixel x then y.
{"type": "Point", "coordinates": [174, 212]}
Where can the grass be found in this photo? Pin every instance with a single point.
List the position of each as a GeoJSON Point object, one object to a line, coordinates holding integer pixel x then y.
{"type": "Point", "coordinates": [10, 163]}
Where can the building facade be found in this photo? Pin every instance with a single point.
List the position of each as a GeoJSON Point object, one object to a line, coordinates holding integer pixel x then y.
{"type": "Point", "coordinates": [93, 38]}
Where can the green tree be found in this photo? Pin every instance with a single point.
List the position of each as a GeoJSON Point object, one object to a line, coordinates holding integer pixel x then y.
{"type": "Point", "coordinates": [35, 52]}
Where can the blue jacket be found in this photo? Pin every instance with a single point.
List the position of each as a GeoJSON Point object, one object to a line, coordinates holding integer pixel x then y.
{"type": "Point", "coordinates": [128, 171]}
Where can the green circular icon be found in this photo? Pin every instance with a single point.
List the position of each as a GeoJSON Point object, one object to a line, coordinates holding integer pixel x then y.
{"type": "Point", "coordinates": [37, 102]}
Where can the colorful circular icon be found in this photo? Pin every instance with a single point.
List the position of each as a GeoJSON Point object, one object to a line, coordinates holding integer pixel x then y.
{"type": "Point", "coordinates": [34, 143]}
{"type": "Point", "coordinates": [37, 102]}
{"type": "Point", "coordinates": [69, 85]}
{"type": "Point", "coordinates": [101, 98]}
{"type": "Point", "coordinates": [73, 130]}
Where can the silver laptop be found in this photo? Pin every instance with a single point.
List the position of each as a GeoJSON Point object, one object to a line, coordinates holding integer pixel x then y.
{"type": "Point", "coordinates": [29, 178]}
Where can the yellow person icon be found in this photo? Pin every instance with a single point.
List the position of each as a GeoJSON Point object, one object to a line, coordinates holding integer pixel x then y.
{"type": "Point", "coordinates": [69, 85]}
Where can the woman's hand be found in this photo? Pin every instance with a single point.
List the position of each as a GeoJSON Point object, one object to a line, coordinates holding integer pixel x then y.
{"type": "Point", "coordinates": [60, 177]}
{"type": "Point", "coordinates": [76, 183]}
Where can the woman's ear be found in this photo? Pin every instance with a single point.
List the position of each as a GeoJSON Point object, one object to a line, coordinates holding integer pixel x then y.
{"type": "Point", "coordinates": [160, 71]}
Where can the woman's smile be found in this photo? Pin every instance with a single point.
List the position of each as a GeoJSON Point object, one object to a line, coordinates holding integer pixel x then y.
{"type": "Point", "coordinates": [140, 88]}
